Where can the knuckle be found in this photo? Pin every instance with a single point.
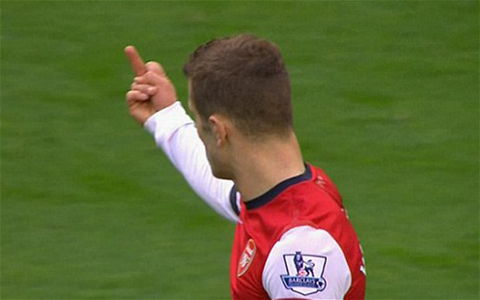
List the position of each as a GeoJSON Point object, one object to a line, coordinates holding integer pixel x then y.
{"type": "Point", "coordinates": [142, 88]}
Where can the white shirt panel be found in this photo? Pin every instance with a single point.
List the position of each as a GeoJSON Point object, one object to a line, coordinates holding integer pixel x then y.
{"type": "Point", "coordinates": [321, 261]}
{"type": "Point", "coordinates": [175, 133]}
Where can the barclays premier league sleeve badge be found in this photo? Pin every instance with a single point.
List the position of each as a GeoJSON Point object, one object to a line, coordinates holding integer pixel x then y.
{"type": "Point", "coordinates": [304, 273]}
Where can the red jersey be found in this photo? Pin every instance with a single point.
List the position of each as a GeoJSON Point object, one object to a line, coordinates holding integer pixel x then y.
{"type": "Point", "coordinates": [296, 242]}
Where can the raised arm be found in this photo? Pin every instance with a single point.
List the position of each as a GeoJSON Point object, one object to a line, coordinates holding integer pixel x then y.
{"type": "Point", "coordinates": [152, 103]}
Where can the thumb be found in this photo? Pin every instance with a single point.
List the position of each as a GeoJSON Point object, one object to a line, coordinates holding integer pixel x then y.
{"type": "Point", "coordinates": [155, 68]}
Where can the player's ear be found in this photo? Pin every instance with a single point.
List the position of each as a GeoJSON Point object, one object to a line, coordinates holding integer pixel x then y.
{"type": "Point", "coordinates": [219, 128]}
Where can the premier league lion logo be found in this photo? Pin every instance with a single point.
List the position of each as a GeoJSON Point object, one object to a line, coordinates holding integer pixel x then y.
{"type": "Point", "coordinates": [301, 270]}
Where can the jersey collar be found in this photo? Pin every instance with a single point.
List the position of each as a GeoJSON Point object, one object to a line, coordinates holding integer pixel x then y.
{"type": "Point", "coordinates": [279, 188]}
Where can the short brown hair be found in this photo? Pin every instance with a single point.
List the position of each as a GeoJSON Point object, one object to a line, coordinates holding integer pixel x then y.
{"type": "Point", "coordinates": [244, 78]}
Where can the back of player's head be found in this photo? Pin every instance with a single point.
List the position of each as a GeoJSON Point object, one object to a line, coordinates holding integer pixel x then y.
{"type": "Point", "coordinates": [244, 78]}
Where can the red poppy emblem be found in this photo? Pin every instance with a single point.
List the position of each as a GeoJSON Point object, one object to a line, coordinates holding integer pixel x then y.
{"type": "Point", "coordinates": [246, 258]}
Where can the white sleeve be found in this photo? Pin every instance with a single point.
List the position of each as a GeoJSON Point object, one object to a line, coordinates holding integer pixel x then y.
{"type": "Point", "coordinates": [306, 263]}
{"type": "Point", "coordinates": [175, 133]}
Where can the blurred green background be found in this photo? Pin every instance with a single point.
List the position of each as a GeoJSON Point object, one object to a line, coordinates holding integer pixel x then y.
{"type": "Point", "coordinates": [386, 98]}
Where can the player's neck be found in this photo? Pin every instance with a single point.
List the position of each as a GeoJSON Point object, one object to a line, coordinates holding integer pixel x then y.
{"type": "Point", "coordinates": [261, 166]}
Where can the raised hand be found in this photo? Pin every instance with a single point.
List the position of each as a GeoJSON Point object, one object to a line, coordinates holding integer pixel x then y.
{"type": "Point", "coordinates": [151, 89]}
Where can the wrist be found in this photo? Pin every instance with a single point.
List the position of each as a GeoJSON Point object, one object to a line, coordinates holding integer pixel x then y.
{"type": "Point", "coordinates": [167, 119]}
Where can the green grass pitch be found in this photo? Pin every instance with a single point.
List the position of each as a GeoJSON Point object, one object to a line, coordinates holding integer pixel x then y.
{"type": "Point", "coordinates": [386, 100]}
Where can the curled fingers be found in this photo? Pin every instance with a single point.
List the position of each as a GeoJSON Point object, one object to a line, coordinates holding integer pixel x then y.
{"type": "Point", "coordinates": [144, 88]}
{"type": "Point", "coordinates": [135, 95]}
